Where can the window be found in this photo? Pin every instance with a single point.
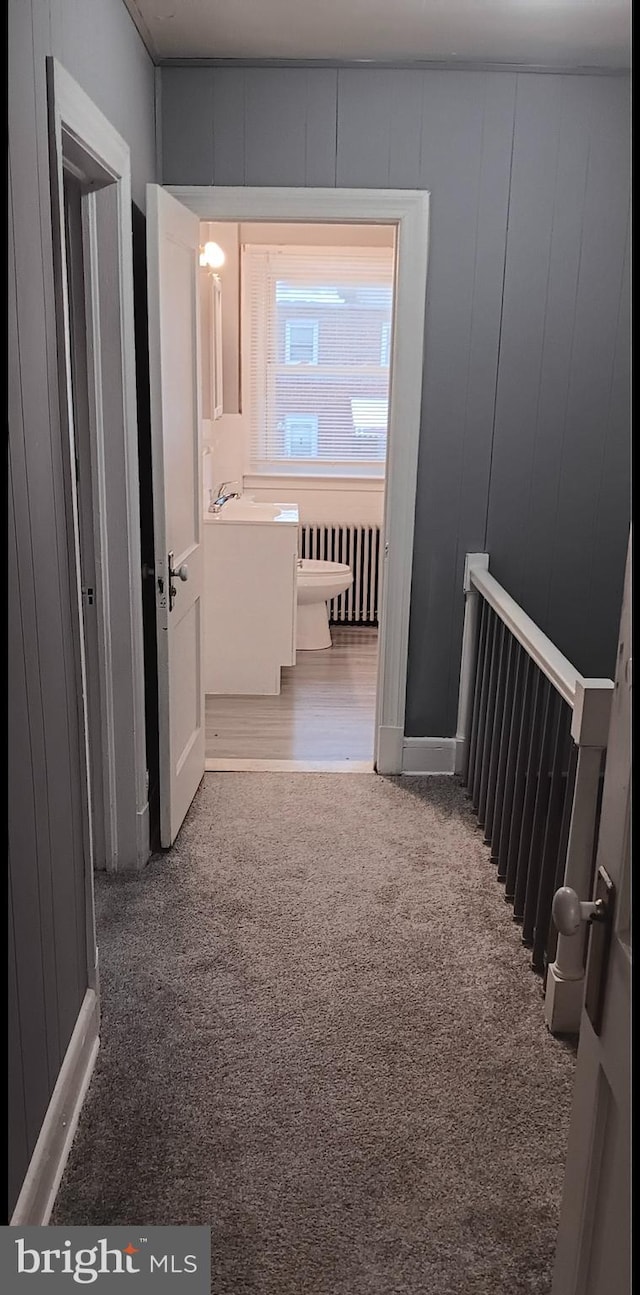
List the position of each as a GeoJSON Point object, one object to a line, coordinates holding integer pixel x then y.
{"type": "Point", "coordinates": [317, 329]}
{"type": "Point", "coordinates": [370, 417]}
{"type": "Point", "coordinates": [301, 341]}
{"type": "Point", "coordinates": [301, 435]}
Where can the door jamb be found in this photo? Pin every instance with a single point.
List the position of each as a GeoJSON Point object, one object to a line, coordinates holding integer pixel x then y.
{"type": "Point", "coordinates": [83, 140]}
{"type": "Point", "coordinates": [408, 211]}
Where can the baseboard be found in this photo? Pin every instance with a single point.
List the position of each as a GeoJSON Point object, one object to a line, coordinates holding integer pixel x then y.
{"type": "Point", "coordinates": [429, 755]}
{"type": "Point", "coordinates": [42, 1180]}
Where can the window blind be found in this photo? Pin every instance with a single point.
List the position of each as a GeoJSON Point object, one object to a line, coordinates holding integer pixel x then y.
{"type": "Point", "coordinates": [317, 345]}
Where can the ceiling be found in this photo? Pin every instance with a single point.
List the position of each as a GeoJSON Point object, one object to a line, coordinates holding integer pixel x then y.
{"type": "Point", "coordinates": [538, 33]}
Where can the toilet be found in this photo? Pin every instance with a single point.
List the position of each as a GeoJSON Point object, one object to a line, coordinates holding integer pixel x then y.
{"type": "Point", "coordinates": [317, 583]}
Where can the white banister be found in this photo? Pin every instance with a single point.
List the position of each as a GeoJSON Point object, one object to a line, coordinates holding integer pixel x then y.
{"type": "Point", "coordinates": [542, 651]}
{"type": "Point", "coordinates": [477, 561]}
{"type": "Point", "coordinates": [590, 701]}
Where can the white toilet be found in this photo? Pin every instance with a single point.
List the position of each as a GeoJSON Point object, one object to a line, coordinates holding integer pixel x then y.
{"type": "Point", "coordinates": [317, 582]}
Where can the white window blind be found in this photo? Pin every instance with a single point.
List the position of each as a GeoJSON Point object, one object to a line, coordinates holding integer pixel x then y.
{"type": "Point", "coordinates": [317, 341]}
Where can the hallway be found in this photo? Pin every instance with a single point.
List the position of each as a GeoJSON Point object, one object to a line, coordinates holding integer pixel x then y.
{"type": "Point", "coordinates": [321, 1036]}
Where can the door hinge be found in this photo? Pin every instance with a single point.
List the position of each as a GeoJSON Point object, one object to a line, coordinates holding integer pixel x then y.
{"type": "Point", "coordinates": [87, 595]}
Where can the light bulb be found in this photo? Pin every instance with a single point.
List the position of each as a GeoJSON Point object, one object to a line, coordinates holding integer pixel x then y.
{"type": "Point", "coordinates": [212, 255]}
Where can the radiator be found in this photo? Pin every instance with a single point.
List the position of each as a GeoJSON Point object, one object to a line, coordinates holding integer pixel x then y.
{"type": "Point", "coordinates": [359, 547]}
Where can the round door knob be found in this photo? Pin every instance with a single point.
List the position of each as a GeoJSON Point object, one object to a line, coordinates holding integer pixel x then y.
{"type": "Point", "coordinates": [181, 573]}
{"type": "Point", "coordinates": [569, 911]}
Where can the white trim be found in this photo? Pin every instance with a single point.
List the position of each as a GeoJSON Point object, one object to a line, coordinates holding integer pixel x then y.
{"type": "Point", "coordinates": [80, 129]}
{"type": "Point", "coordinates": [231, 765]}
{"type": "Point", "coordinates": [590, 699]}
{"type": "Point", "coordinates": [426, 755]}
{"type": "Point", "coordinates": [592, 712]}
{"type": "Point", "coordinates": [390, 742]}
{"type": "Point", "coordinates": [408, 210]}
{"type": "Point", "coordinates": [479, 561]}
{"type": "Point", "coordinates": [46, 1167]}
{"type": "Point", "coordinates": [98, 482]}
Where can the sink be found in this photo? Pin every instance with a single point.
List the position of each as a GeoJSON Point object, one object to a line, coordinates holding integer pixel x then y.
{"type": "Point", "coordinates": [246, 509]}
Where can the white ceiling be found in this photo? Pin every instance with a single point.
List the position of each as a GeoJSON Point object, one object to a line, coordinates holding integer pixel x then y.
{"type": "Point", "coordinates": [545, 33]}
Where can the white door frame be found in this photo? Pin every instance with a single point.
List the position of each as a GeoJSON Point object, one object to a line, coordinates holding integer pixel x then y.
{"type": "Point", "coordinates": [82, 140]}
{"type": "Point", "coordinates": [408, 211]}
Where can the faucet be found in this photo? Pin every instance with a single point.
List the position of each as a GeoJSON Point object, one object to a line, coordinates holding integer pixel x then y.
{"type": "Point", "coordinates": [216, 504]}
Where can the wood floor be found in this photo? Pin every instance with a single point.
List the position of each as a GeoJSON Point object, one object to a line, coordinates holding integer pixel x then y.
{"type": "Point", "coordinates": [325, 711]}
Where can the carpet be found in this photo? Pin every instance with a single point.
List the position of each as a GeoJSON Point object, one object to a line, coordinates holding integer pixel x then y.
{"type": "Point", "coordinates": [321, 1035]}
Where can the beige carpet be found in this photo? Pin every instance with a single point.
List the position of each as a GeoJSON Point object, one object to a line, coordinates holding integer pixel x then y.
{"type": "Point", "coordinates": [321, 1035]}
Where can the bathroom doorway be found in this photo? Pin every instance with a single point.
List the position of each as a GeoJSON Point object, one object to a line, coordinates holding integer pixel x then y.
{"type": "Point", "coordinates": [296, 330]}
{"type": "Point", "coordinates": [174, 219]}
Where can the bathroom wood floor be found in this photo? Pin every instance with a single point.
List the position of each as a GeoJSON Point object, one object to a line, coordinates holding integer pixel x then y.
{"type": "Point", "coordinates": [325, 711]}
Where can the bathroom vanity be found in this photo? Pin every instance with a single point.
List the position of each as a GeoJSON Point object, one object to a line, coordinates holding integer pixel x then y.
{"type": "Point", "coordinates": [250, 597]}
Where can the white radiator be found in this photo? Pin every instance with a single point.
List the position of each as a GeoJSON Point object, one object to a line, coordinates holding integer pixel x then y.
{"type": "Point", "coordinates": [359, 547]}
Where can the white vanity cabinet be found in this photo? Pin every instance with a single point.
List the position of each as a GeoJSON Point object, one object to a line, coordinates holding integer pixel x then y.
{"type": "Point", "coordinates": [250, 596]}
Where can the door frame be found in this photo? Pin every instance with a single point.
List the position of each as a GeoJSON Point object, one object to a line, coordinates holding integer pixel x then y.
{"type": "Point", "coordinates": [408, 211]}
{"type": "Point", "coordinates": [83, 141]}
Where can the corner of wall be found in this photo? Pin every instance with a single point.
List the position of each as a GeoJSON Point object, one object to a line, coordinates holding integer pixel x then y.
{"type": "Point", "coordinates": [157, 79]}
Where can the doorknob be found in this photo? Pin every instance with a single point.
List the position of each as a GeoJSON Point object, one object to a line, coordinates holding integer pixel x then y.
{"type": "Point", "coordinates": [569, 912]}
{"type": "Point", "coordinates": [181, 573]}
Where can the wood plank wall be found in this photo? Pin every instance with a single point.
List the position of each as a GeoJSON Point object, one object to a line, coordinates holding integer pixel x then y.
{"type": "Point", "coordinates": [525, 440]}
{"type": "Point", "coordinates": [99, 46]}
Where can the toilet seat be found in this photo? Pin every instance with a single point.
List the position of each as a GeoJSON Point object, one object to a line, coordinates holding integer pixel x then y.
{"type": "Point", "coordinates": [316, 567]}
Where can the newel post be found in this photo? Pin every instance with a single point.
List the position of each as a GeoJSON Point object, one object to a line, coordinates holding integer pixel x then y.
{"type": "Point", "coordinates": [468, 658]}
{"type": "Point", "coordinates": [589, 730]}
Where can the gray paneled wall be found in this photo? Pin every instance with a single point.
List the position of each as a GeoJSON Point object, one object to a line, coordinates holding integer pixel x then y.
{"type": "Point", "coordinates": [559, 496]}
{"type": "Point", "coordinates": [525, 437]}
{"type": "Point", "coordinates": [100, 47]}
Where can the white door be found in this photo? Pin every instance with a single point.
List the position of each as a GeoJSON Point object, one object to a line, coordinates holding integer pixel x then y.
{"type": "Point", "coordinates": [593, 1251]}
{"type": "Point", "coordinates": [173, 236]}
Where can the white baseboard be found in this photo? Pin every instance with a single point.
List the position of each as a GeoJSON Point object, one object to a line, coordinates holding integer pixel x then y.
{"type": "Point", "coordinates": [429, 755]}
{"type": "Point", "coordinates": [42, 1180]}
